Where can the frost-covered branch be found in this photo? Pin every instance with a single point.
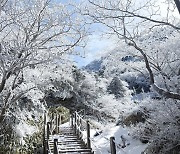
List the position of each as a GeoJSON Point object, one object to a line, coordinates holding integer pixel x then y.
{"type": "Point", "coordinates": [33, 33]}
{"type": "Point", "coordinates": [130, 21]}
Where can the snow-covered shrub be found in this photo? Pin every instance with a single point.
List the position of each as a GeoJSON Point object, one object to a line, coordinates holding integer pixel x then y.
{"type": "Point", "coordinates": [22, 132]}
{"type": "Point", "coordinates": [137, 82]}
{"type": "Point", "coordinates": [134, 118]}
{"type": "Point", "coordinates": [86, 89]}
{"type": "Point", "coordinates": [162, 127]}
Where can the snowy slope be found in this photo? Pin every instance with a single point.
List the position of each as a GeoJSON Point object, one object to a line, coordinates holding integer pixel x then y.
{"type": "Point", "coordinates": [101, 143]}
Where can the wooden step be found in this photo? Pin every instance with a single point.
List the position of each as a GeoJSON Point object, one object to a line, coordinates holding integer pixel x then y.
{"type": "Point", "coordinates": [66, 139]}
{"type": "Point", "coordinates": [75, 150]}
{"type": "Point", "coordinates": [68, 142]}
{"type": "Point", "coordinates": [69, 145]}
{"type": "Point", "coordinates": [66, 134]}
{"type": "Point", "coordinates": [71, 148]}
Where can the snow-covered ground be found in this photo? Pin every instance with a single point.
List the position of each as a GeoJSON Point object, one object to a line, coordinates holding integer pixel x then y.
{"type": "Point", "coordinates": [101, 143]}
{"type": "Point", "coordinates": [100, 140]}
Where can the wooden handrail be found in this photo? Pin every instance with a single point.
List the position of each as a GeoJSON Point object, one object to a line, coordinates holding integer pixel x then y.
{"type": "Point", "coordinates": [78, 126]}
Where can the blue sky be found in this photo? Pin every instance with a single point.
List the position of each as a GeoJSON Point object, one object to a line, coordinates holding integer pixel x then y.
{"type": "Point", "coordinates": [96, 47]}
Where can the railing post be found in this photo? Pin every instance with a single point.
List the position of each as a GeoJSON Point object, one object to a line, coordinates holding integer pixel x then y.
{"type": "Point", "coordinates": [112, 145]}
{"type": "Point", "coordinates": [80, 123]}
{"type": "Point", "coordinates": [51, 122]}
{"type": "Point", "coordinates": [55, 146]}
{"type": "Point", "coordinates": [78, 126]}
{"type": "Point", "coordinates": [52, 117]}
{"type": "Point", "coordinates": [71, 120]}
{"type": "Point", "coordinates": [59, 122]}
{"type": "Point", "coordinates": [48, 130]}
{"type": "Point", "coordinates": [44, 117]}
{"type": "Point", "coordinates": [88, 135]}
{"type": "Point", "coordinates": [47, 145]}
{"type": "Point", "coordinates": [44, 140]}
{"type": "Point", "coordinates": [44, 133]}
{"type": "Point", "coordinates": [75, 122]}
{"type": "Point", "coordinates": [56, 123]}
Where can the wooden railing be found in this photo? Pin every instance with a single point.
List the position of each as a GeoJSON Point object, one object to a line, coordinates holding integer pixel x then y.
{"type": "Point", "coordinates": [51, 127]}
{"type": "Point", "coordinates": [80, 127]}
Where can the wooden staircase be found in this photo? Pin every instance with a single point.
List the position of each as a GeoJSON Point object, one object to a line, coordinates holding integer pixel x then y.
{"type": "Point", "coordinates": [68, 142]}
{"type": "Point", "coordinates": [66, 139]}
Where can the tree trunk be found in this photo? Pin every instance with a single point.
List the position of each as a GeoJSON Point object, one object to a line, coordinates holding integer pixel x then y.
{"type": "Point", "coordinates": [3, 82]}
{"type": "Point", "coordinates": [177, 2]}
{"type": "Point", "coordinates": [3, 111]}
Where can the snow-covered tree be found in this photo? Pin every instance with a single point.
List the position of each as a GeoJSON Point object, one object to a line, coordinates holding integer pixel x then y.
{"type": "Point", "coordinates": [131, 19]}
{"type": "Point", "coordinates": [151, 34]}
{"type": "Point", "coordinates": [116, 87]}
{"type": "Point", "coordinates": [32, 33]}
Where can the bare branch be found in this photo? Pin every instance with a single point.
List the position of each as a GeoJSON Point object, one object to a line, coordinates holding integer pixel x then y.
{"type": "Point", "coordinates": [132, 15]}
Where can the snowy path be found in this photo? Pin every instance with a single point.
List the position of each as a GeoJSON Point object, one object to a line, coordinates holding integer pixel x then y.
{"type": "Point", "coordinates": [68, 142]}
{"type": "Point", "coordinates": [72, 138]}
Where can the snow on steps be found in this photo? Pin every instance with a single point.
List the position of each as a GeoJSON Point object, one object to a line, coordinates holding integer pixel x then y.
{"type": "Point", "coordinates": [68, 142]}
